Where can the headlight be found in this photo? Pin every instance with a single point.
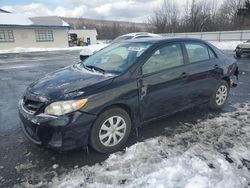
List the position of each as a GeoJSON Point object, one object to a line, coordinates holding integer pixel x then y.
{"type": "Point", "coordinates": [64, 107]}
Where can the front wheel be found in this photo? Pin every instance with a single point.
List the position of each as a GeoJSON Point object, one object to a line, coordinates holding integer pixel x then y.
{"type": "Point", "coordinates": [110, 131]}
{"type": "Point", "coordinates": [238, 55]}
{"type": "Point", "coordinates": [219, 96]}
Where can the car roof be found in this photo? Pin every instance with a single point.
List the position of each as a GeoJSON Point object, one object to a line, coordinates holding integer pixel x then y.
{"type": "Point", "coordinates": [140, 33]}
{"type": "Point", "coordinates": [164, 39]}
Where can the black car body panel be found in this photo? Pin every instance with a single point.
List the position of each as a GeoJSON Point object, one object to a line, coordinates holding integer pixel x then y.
{"type": "Point", "coordinates": [144, 97]}
{"type": "Point", "coordinates": [68, 81]}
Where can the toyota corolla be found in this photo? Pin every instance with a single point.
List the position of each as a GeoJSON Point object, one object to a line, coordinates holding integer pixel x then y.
{"type": "Point", "coordinates": [99, 101]}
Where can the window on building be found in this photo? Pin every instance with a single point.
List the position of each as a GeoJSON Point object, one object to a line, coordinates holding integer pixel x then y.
{"type": "Point", "coordinates": [44, 35]}
{"type": "Point", "coordinates": [6, 36]}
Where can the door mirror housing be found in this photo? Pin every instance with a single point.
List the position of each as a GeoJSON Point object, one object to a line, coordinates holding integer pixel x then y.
{"type": "Point", "coordinates": [86, 52]}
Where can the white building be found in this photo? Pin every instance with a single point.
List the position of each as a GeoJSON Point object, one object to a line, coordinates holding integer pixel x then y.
{"type": "Point", "coordinates": [17, 30]}
{"type": "Point", "coordinates": [88, 35]}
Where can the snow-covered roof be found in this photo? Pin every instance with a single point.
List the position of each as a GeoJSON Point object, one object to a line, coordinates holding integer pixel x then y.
{"type": "Point", "coordinates": [23, 20]}
{"type": "Point", "coordinates": [14, 19]}
{"type": "Point", "coordinates": [49, 21]}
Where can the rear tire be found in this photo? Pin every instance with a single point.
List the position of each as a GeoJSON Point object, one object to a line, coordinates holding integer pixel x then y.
{"type": "Point", "coordinates": [110, 130]}
{"type": "Point", "coordinates": [219, 96]}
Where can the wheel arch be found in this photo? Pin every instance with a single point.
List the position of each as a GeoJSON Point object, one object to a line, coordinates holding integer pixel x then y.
{"type": "Point", "coordinates": [123, 106]}
{"type": "Point", "coordinates": [227, 79]}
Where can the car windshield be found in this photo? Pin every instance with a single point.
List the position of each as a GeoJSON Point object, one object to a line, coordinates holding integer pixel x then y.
{"type": "Point", "coordinates": [122, 38]}
{"type": "Point", "coordinates": [116, 58]}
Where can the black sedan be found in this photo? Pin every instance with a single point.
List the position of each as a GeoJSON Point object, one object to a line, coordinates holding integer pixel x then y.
{"type": "Point", "coordinates": [99, 101]}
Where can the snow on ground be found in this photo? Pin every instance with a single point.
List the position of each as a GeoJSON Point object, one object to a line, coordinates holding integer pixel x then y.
{"type": "Point", "coordinates": [211, 153]}
{"type": "Point", "coordinates": [22, 50]}
{"type": "Point", "coordinates": [225, 45]}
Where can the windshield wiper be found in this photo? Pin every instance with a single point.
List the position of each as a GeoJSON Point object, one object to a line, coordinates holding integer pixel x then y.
{"type": "Point", "coordinates": [96, 68]}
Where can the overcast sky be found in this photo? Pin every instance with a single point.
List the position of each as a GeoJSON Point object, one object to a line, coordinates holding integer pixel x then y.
{"type": "Point", "coordinates": [127, 10]}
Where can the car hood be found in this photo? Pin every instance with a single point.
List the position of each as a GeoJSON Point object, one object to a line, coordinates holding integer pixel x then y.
{"type": "Point", "coordinates": [244, 45]}
{"type": "Point", "coordinates": [67, 83]}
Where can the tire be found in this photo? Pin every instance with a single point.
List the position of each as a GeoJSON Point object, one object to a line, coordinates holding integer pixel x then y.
{"type": "Point", "coordinates": [238, 55]}
{"type": "Point", "coordinates": [219, 96]}
{"type": "Point", "coordinates": [102, 135]}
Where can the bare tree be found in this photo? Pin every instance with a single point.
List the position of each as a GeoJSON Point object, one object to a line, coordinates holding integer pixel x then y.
{"type": "Point", "coordinates": [195, 16]}
{"type": "Point", "coordinates": [199, 15]}
{"type": "Point", "coordinates": [228, 14]}
{"type": "Point", "coordinates": [165, 18]}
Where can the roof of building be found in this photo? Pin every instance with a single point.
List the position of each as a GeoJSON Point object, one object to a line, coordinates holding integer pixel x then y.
{"type": "Point", "coordinates": [49, 20]}
{"type": "Point", "coordinates": [20, 20]}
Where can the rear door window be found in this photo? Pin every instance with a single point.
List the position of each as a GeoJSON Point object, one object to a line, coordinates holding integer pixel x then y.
{"type": "Point", "coordinates": [198, 52]}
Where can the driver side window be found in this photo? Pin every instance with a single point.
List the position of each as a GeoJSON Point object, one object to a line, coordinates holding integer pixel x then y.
{"type": "Point", "coordinates": [164, 58]}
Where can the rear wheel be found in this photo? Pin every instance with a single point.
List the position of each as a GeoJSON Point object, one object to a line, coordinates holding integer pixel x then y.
{"type": "Point", "coordinates": [219, 96]}
{"type": "Point", "coordinates": [110, 131]}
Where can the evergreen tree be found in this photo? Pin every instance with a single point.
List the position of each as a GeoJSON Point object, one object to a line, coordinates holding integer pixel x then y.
{"type": "Point", "coordinates": [245, 11]}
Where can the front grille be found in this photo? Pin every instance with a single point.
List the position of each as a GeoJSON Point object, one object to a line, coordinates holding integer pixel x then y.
{"type": "Point", "coordinates": [245, 49]}
{"type": "Point", "coordinates": [32, 131]}
{"type": "Point", "coordinates": [31, 105]}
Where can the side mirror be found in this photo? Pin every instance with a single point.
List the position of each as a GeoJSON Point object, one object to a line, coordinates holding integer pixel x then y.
{"type": "Point", "coordinates": [85, 53]}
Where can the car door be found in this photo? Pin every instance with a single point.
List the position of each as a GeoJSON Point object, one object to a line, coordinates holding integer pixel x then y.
{"type": "Point", "coordinates": [203, 69]}
{"type": "Point", "coordinates": [161, 82]}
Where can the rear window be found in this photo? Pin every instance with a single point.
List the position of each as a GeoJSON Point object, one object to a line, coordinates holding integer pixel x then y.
{"type": "Point", "coordinates": [199, 52]}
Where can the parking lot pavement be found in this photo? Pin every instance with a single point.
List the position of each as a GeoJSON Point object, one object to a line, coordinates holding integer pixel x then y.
{"type": "Point", "coordinates": [22, 161]}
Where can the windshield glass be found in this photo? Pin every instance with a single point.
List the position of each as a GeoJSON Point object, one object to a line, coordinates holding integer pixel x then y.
{"type": "Point", "coordinates": [122, 38]}
{"type": "Point", "coordinates": [116, 58]}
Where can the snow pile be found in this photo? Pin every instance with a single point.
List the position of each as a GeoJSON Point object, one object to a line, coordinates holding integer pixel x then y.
{"type": "Point", "coordinates": [92, 48]}
{"type": "Point", "coordinates": [212, 153]}
{"type": "Point", "coordinates": [21, 50]}
{"type": "Point", "coordinates": [226, 45]}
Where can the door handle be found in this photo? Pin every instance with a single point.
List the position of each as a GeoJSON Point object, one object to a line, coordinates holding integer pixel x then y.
{"type": "Point", "coordinates": [216, 66]}
{"type": "Point", "coordinates": [184, 75]}
{"type": "Point", "coordinates": [144, 91]}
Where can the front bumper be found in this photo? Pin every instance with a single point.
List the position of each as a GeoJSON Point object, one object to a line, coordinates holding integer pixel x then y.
{"type": "Point", "coordinates": [60, 133]}
{"type": "Point", "coordinates": [242, 51]}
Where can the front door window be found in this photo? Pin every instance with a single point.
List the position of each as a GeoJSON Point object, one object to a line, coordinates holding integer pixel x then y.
{"type": "Point", "coordinates": [164, 58]}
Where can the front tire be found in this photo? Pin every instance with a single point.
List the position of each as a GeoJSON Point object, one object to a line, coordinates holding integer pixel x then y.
{"type": "Point", "coordinates": [238, 55]}
{"type": "Point", "coordinates": [219, 96]}
{"type": "Point", "coordinates": [110, 130]}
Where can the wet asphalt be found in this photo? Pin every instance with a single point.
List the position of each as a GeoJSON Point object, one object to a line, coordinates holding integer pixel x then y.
{"type": "Point", "coordinates": [21, 161]}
